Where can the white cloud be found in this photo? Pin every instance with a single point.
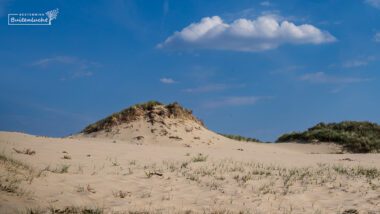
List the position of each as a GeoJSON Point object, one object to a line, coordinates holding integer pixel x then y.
{"type": "Point", "coordinates": [76, 67]}
{"type": "Point", "coordinates": [363, 61]}
{"type": "Point", "coordinates": [213, 88]}
{"type": "Point", "coordinates": [376, 38]}
{"type": "Point", "coordinates": [207, 88]}
{"type": "Point", "coordinates": [374, 3]}
{"type": "Point", "coordinates": [263, 33]}
{"type": "Point", "coordinates": [54, 60]}
{"type": "Point", "coordinates": [233, 101]}
{"type": "Point", "coordinates": [323, 78]}
{"type": "Point", "coordinates": [167, 80]}
{"type": "Point", "coordinates": [265, 3]}
{"type": "Point", "coordinates": [355, 63]}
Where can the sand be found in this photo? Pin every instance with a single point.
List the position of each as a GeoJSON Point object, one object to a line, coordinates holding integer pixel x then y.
{"type": "Point", "coordinates": [211, 174]}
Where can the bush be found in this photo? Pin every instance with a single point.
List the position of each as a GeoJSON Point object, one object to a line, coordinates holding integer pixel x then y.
{"type": "Point", "coordinates": [148, 105]}
{"type": "Point", "coordinates": [127, 114]}
{"type": "Point", "coordinates": [240, 138]}
{"type": "Point", "coordinates": [357, 137]}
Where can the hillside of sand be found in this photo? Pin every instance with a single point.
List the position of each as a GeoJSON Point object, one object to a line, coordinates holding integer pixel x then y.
{"type": "Point", "coordinates": [110, 171]}
{"type": "Point", "coordinates": [75, 175]}
{"type": "Point", "coordinates": [152, 122]}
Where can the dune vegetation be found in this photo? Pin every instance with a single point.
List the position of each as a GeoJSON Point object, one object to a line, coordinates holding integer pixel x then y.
{"type": "Point", "coordinates": [240, 138]}
{"type": "Point", "coordinates": [353, 136]}
{"type": "Point", "coordinates": [147, 110]}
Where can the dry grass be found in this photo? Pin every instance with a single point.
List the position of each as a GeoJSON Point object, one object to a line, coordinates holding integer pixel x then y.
{"type": "Point", "coordinates": [199, 158]}
{"type": "Point", "coordinates": [65, 210]}
{"type": "Point", "coordinates": [67, 157]}
{"type": "Point", "coordinates": [97, 210]}
{"type": "Point", "coordinates": [13, 174]}
{"type": "Point", "coordinates": [232, 181]}
{"type": "Point", "coordinates": [256, 180]}
{"type": "Point", "coordinates": [25, 151]}
{"type": "Point", "coordinates": [10, 161]}
{"type": "Point", "coordinates": [271, 179]}
{"type": "Point", "coordinates": [61, 169]}
{"type": "Point", "coordinates": [121, 194]}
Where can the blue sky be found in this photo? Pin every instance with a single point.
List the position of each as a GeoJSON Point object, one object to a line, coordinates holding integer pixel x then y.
{"type": "Point", "coordinates": [255, 68]}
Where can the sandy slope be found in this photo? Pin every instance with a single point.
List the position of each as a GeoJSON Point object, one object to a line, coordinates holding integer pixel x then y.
{"type": "Point", "coordinates": [117, 175]}
{"type": "Point", "coordinates": [172, 131]}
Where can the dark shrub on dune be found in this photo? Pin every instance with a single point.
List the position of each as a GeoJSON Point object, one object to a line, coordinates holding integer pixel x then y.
{"type": "Point", "coordinates": [240, 138]}
{"type": "Point", "coordinates": [356, 137]}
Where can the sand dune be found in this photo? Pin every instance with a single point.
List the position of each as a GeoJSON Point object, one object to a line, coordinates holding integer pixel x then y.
{"type": "Point", "coordinates": [169, 162]}
{"type": "Point", "coordinates": [227, 176]}
{"type": "Point", "coordinates": [152, 122]}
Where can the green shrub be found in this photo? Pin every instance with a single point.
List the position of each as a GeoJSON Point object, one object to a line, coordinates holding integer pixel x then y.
{"type": "Point", "coordinates": [127, 114]}
{"type": "Point", "coordinates": [357, 137]}
{"type": "Point", "coordinates": [240, 138]}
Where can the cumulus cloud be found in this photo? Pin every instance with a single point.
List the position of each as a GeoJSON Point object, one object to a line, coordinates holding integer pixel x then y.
{"type": "Point", "coordinates": [323, 78]}
{"type": "Point", "coordinates": [374, 3]}
{"type": "Point", "coordinates": [264, 33]}
{"type": "Point", "coordinates": [167, 80]}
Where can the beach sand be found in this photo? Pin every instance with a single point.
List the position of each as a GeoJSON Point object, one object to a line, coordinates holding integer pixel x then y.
{"type": "Point", "coordinates": [183, 176]}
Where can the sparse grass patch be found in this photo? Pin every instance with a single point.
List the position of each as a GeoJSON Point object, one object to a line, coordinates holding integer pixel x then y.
{"type": "Point", "coordinates": [120, 194]}
{"type": "Point", "coordinates": [370, 173]}
{"type": "Point", "coordinates": [64, 168]}
{"type": "Point", "coordinates": [13, 162]}
{"type": "Point", "coordinates": [16, 172]}
{"type": "Point", "coordinates": [10, 187]}
{"type": "Point", "coordinates": [80, 189]}
{"type": "Point", "coordinates": [199, 158]}
{"type": "Point", "coordinates": [35, 210]}
{"type": "Point", "coordinates": [115, 163]}
{"type": "Point", "coordinates": [132, 162]}
{"type": "Point", "coordinates": [74, 210]}
{"type": "Point", "coordinates": [146, 194]}
{"type": "Point", "coordinates": [272, 179]}
{"type": "Point", "coordinates": [242, 179]}
{"type": "Point", "coordinates": [25, 151]}
{"type": "Point", "coordinates": [149, 174]}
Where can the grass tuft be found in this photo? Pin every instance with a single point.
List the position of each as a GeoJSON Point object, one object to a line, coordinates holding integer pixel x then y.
{"type": "Point", "coordinates": [199, 158]}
